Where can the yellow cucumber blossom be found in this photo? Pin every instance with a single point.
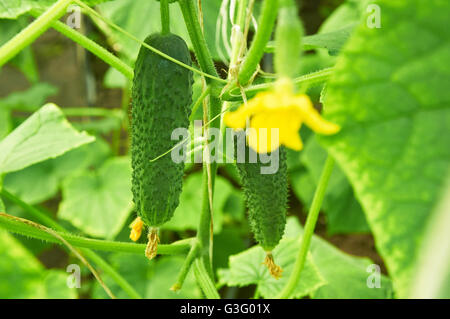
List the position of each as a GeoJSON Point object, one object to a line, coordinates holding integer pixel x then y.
{"type": "Point", "coordinates": [136, 229]}
{"type": "Point", "coordinates": [279, 109]}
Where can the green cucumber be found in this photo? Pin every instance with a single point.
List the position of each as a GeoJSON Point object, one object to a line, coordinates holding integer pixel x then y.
{"type": "Point", "coordinates": [266, 198]}
{"type": "Point", "coordinates": [161, 100]}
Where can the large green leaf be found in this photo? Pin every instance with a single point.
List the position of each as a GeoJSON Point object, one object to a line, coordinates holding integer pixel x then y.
{"type": "Point", "coordinates": [432, 278]}
{"type": "Point", "coordinates": [48, 175]}
{"type": "Point", "coordinates": [390, 95]}
{"type": "Point", "coordinates": [45, 134]}
{"type": "Point", "coordinates": [22, 276]}
{"type": "Point", "coordinates": [246, 268]}
{"type": "Point", "coordinates": [99, 202]}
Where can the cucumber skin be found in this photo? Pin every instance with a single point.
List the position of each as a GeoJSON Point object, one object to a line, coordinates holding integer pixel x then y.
{"type": "Point", "coordinates": [266, 197]}
{"type": "Point", "coordinates": [161, 100]}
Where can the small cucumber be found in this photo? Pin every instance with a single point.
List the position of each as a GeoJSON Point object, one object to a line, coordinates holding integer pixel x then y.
{"type": "Point", "coordinates": [266, 197]}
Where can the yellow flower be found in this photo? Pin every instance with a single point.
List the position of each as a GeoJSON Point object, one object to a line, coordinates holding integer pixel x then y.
{"type": "Point", "coordinates": [278, 109]}
{"type": "Point", "coordinates": [136, 229]}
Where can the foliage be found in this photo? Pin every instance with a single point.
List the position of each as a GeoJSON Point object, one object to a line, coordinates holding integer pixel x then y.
{"type": "Point", "coordinates": [66, 168]}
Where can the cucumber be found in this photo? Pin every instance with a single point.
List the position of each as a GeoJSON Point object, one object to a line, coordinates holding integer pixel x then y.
{"type": "Point", "coordinates": [266, 198]}
{"type": "Point", "coordinates": [161, 100]}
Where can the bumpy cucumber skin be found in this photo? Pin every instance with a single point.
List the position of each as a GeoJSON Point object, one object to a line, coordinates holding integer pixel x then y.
{"type": "Point", "coordinates": [161, 100]}
{"type": "Point", "coordinates": [266, 197]}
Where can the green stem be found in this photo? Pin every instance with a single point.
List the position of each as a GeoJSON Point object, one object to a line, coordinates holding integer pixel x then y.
{"type": "Point", "coordinates": [180, 247]}
{"type": "Point", "coordinates": [189, 10]}
{"type": "Point", "coordinates": [32, 31]}
{"type": "Point", "coordinates": [95, 14]}
{"type": "Point", "coordinates": [192, 255]}
{"type": "Point", "coordinates": [204, 280]}
{"type": "Point", "coordinates": [199, 102]}
{"type": "Point", "coordinates": [309, 229]}
{"type": "Point", "coordinates": [33, 211]}
{"type": "Point", "coordinates": [265, 26]}
{"type": "Point", "coordinates": [94, 48]}
{"type": "Point", "coordinates": [236, 41]}
{"type": "Point", "coordinates": [234, 93]}
{"type": "Point", "coordinates": [165, 16]}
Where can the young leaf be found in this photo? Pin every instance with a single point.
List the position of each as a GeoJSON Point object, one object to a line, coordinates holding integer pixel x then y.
{"type": "Point", "coordinates": [45, 134]}
{"type": "Point", "coordinates": [346, 275]}
{"type": "Point", "coordinates": [390, 96]}
{"type": "Point", "coordinates": [246, 268]}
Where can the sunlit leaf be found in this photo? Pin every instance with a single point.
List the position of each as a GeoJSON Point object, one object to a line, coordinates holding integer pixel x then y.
{"type": "Point", "coordinates": [390, 95]}
{"type": "Point", "coordinates": [45, 134]}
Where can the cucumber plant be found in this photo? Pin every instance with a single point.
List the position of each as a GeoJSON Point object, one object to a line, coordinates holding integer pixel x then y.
{"type": "Point", "coordinates": [367, 94]}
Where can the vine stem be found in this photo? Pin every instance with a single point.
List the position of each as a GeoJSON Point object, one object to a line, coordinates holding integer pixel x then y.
{"type": "Point", "coordinates": [311, 221]}
{"type": "Point", "coordinates": [180, 247]}
{"type": "Point", "coordinates": [165, 16]}
{"type": "Point", "coordinates": [234, 93]}
{"type": "Point", "coordinates": [95, 14]}
{"type": "Point", "coordinates": [94, 48]}
{"type": "Point", "coordinates": [32, 31]}
{"type": "Point", "coordinates": [204, 233]}
{"type": "Point", "coordinates": [262, 36]}
{"type": "Point", "coordinates": [205, 282]}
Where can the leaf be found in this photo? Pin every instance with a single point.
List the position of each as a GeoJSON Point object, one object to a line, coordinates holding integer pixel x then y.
{"type": "Point", "coordinates": [12, 9]}
{"type": "Point", "coordinates": [344, 213]}
{"type": "Point", "coordinates": [30, 99]}
{"type": "Point", "coordinates": [432, 276]}
{"type": "Point", "coordinates": [23, 277]}
{"type": "Point", "coordinates": [187, 214]}
{"type": "Point", "coordinates": [390, 95]}
{"type": "Point", "coordinates": [346, 275]}
{"type": "Point", "coordinates": [48, 175]}
{"type": "Point", "coordinates": [99, 202]}
{"type": "Point", "coordinates": [246, 268]}
{"type": "Point", "coordinates": [347, 14]}
{"type": "Point", "coordinates": [27, 100]}
{"type": "Point", "coordinates": [45, 134]}
{"type": "Point", "coordinates": [151, 279]}
{"type": "Point", "coordinates": [332, 41]}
